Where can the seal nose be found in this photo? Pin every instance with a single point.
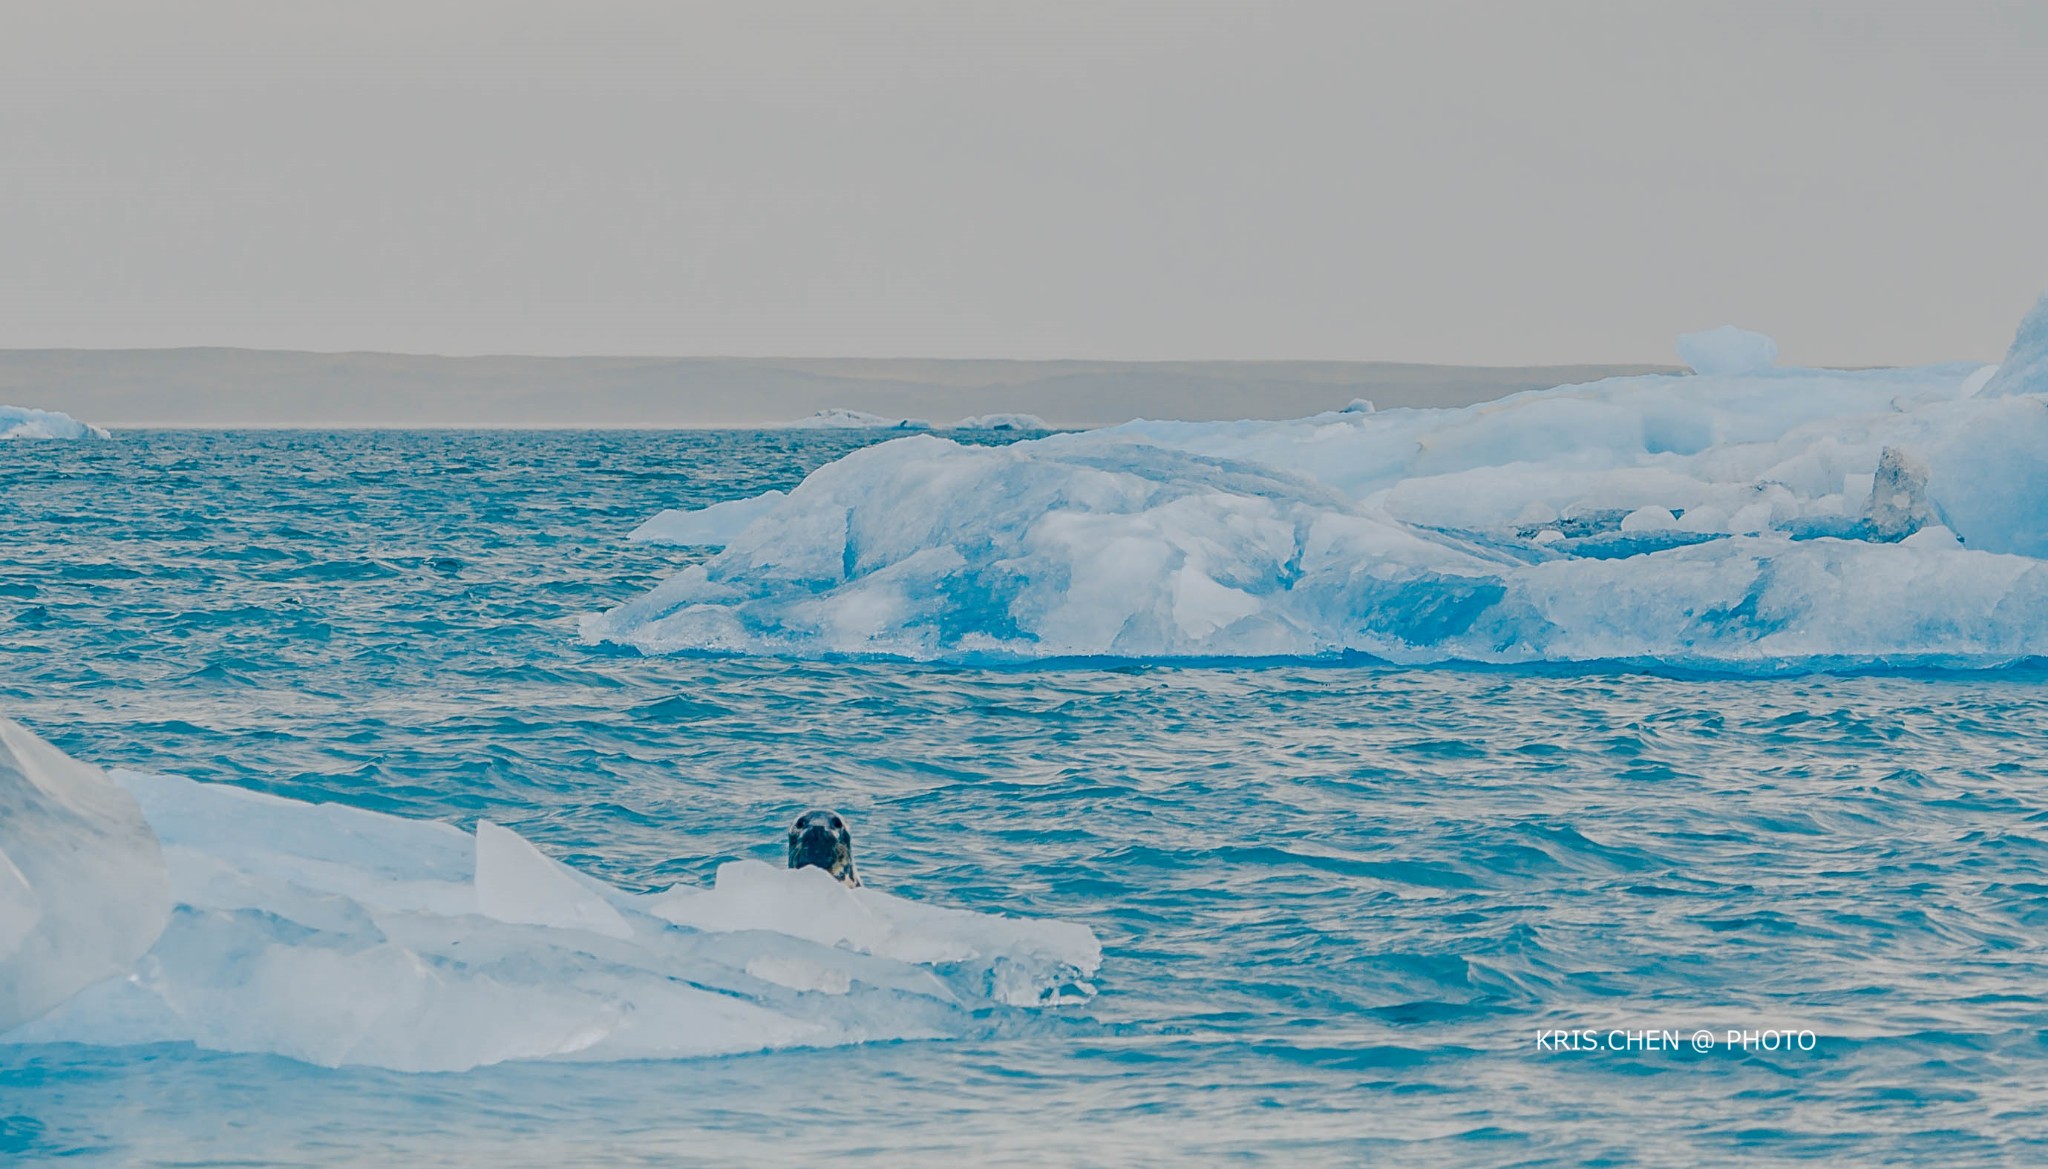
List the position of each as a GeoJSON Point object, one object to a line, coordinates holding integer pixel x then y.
{"type": "Point", "coordinates": [815, 845]}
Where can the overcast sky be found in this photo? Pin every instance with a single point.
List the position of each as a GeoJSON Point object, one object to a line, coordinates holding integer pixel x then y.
{"type": "Point", "coordinates": [1489, 183]}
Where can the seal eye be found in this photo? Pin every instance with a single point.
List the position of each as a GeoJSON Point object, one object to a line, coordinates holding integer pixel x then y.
{"type": "Point", "coordinates": [838, 825]}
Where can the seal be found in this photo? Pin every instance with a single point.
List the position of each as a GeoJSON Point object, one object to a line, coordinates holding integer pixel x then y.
{"type": "Point", "coordinates": [819, 839]}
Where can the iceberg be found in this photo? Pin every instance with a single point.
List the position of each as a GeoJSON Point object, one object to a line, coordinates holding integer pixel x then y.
{"type": "Point", "coordinates": [1002, 422]}
{"type": "Point", "coordinates": [1727, 350]}
{"type": "Point", "coordinates": [2025, 368]}
{"type": "Point", "coordinates": [705, 527]}
{"type": "Point", "coordinates": [22, 422]}
{"type": "Point", "coordinates": [842, 419]}
{"type": "Point", "coordinates": [337, 936]}
{"type": "Point", "coordinates": [83, 889]}
{"type": "Point", "coordinates": [1754, 520]}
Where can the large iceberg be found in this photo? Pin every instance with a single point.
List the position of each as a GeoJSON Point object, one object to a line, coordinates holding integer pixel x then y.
{"type": "Point", "coordinates": [1760, 520]}
{"type": "Point", "coordinates": [23, 422]}
{"type": "Point", "coordinates": [338, 936]}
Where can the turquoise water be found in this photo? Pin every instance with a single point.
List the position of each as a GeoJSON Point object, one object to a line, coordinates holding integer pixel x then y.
{"type": "Point", "coordinates": [1341, 908]}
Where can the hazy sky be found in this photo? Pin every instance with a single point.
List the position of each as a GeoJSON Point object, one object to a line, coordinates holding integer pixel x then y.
{"type": "Point", "coordinates": [1437, 181]}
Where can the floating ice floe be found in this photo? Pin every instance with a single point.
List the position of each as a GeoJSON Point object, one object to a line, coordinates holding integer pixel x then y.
{"type": "Point", "coordinates": [22, 422]}
{"type": "Point", "coordinates": [338, 936]}
{"type": "Point", "coordinates": [1753, 521]}
{"type": "Point", "coordinates": [1002, 422]}
{"type": "Point", "coordinates": [842, 419]}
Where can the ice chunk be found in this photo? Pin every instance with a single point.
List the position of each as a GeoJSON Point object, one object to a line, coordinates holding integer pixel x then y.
{"type": "Point", "coordinates": [1727, 350]}
{"type": "Point", "coordinates": [515, 883]}
{"type": "Point", "coordinates": [842, 419]}
{"type": "Point", "coordinates": [2025, 368]}
{"type": "Point", "coordinates": [1648, 519]}
{"type": "Point", "coordinates": [707, 527]}
{"type": "Point", "coordinates": [1898, 504]}
{"type": "Point", "coordinates": [22, 422]}
{"type": "Point", "coordinates": [83, 890]}
{"type": "Point", "coordinates": [1030, 962]}
{"type": "Point", "coordinates": [922, 547]}
{"type": "Point", "coordinates": [1002, 422]}
{"type": "Point", "coordinates": [1975, 383]}
{"type": "Point", "coordinates": [338, 936]}
{"type": "Point", "coordinates": [1935, 537]}
{"type": "Point", "coordinates": [1358, 406]}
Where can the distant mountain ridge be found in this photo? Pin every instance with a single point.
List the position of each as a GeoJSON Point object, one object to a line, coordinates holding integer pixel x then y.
{"type": "Point", "coordinates": [231, 388]}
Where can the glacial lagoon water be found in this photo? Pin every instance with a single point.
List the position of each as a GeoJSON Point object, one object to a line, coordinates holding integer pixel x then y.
{"type": "Point", "coordinates": [1350, 913]}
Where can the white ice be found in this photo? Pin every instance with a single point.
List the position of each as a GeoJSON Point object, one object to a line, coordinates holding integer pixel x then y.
{"type": "Point", "coordinates": [843, 419]}
{"type": "Point", "coordinates": [83, 891]}
{"type": "Point", "coordinates": [23, 422]}
{"type": "Point", "coordinates": [338, 936]}
{"type": "Point", "coordinates": [706, 527]}
{"type": "Point", "coordinates": [1031, 961]}
{"type": "Point", "coordinates": [1755, 521]}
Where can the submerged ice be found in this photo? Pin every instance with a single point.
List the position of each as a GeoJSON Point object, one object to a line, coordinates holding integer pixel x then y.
{"type": "Point", "coordinates": [1744, 517]}
{"type": "Point", "coordinates": [339, 936]}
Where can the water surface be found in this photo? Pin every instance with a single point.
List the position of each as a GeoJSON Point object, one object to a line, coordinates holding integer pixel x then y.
{"type": "Point", "coordinates": [1338, 904]}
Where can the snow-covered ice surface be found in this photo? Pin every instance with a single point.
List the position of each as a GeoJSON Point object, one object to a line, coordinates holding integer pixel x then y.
{"type": "Point", "coordinates": [838, 418]}
{"type": "Point", "coordinates": [23, 422]}
{"type": "Point", "coordinates": [338, 936]}
{"type": "Point", "coordinates": [1753, 521]}
{"type": "Point", "coordinates": [83, 891]}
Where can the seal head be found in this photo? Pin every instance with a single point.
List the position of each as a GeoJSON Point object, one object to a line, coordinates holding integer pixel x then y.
{"type": "Point", "coordinates": [819, 839]}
